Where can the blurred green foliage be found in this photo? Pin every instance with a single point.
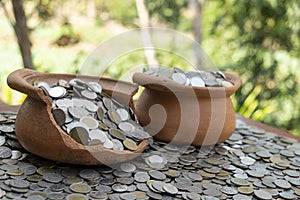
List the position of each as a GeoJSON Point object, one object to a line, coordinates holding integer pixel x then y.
{"type": "Point", "coordinates": [263, 36]}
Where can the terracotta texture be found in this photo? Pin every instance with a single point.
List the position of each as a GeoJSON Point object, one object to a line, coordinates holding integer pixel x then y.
{"type": "Point", "coordinates": [172, 112]}
{"type": "Point", "coordinates": [38, 132]}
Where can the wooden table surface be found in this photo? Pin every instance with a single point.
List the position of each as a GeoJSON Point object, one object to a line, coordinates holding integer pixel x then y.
{"type": "Point", "coordinates": [5, 107]}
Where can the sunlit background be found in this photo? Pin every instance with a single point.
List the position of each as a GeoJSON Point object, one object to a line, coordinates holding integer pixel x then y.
{"type": "Point", "coordinates": [257, 39]}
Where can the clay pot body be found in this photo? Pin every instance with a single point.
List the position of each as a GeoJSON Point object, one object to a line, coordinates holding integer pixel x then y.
{"type": "Point", "coordinates": [38, 132]}
{"type": "Point", "coordinates": [184, 114]}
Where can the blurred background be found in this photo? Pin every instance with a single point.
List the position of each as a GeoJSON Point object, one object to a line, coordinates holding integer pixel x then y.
{"type": "Point", "coordinates": [258, 39]}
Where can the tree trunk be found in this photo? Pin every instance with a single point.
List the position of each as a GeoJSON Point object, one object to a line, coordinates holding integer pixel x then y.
{"type": "Point", "coordinates": [22, 33]}
{"type": "Point", "coordinates": [196, 11]}
{"type": "Point", "coordinates": [145, 25]}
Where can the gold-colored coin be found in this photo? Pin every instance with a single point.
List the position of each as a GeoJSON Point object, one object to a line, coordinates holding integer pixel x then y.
{"type": "Point", "coordinates": [245, 190]}
{"type": "Point", "coordinates": [140, 195]}
{"type": "Point", "coordinates": [34, 178]}
{"type": "Point", "coordinates": [114, 116]}
{"type": "Point", "coordinates": [80, 188]}
{"type": "Point", "coordinates": [44, 170]}
{"type": "Point", "coordinates": [70, 181]}
{"type": "Point", "coordinates": [117, 134]}
{"type": "Point", "coordinates": [15, 172]}
{"type": "Point", "coordinates": [130, 144]}
{"type": "Point", "coordinates": [103, 126]}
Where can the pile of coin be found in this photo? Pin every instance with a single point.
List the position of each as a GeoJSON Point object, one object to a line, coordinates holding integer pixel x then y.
{"type": "Point", "coordinates": [195, 78]}
{"type": "Point", "coordinates": [251, 164]}
{"type": "Point", "coordinates": [91, 117]}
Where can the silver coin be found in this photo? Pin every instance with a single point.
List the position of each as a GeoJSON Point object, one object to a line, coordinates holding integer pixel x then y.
{"type": "Point", "coordinates": [57, 92]}
{"type": "Point", "coordinates": [95, 87]}
{"type": "Point", "coordinates": [128, 196]}
{"type": "Point", "coordinates": [119, 187]}
{"type": "Point", "coordinates": [261, 194]}
{"type": "Point", "coordinates": [179, 78]}
{"type": "Point", "coordinates": [89, 174]}
{"type": "Point", "coordinates": [89, 94]}
{"type": "Point", "coordinates": [128, 167]}
{"type": "Point", "coordinates": [282, 184]}
{"type": "Point", "coordinates": [98, 134]}
{"type": "Point", "coordinates": [90, 106]}
{"type": "Point", "coordinates": [124, 115]}
{"type": "Point", "coordinates": [108, 144]}
{"type": "Point", "coordinates": [78, 112]}
{"type": "Point", "coordinates": [169, 188]}
{"type": "Point", "coordinates": [126, 127]}
{"type": "Point", "coordinates": [197, 82]}
{"type": "Point", "coordinates": [166, 73]}
{"type": "Point", "coordinates": [52, 177]}
{"type": "Point", "coordinates": [117, 145]}
{"type": "Point", "coordinates": [5, 152]}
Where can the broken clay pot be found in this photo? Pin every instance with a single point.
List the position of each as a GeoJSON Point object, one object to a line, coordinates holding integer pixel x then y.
{"type": "Point", "coordinates": [38, 132]}
{"type": "Point", "coordinates": [181, 114]}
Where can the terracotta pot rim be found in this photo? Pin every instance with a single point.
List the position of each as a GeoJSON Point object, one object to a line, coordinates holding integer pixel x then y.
{"type": "Point", "coordinates": [167, 85]}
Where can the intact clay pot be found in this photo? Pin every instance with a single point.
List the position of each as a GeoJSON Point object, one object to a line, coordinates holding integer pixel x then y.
{"type": "Point", "coordinates": [38, 132]}
{"type": "Point", "coordinates": [186, 115]}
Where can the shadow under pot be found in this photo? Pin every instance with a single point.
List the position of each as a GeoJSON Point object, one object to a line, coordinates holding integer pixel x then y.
{"type": "Point", "coordinates": [181, 114]}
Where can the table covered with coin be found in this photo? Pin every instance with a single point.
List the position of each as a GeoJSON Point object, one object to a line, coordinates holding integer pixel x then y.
{"type": "Point", "coordinates": [251, 164]}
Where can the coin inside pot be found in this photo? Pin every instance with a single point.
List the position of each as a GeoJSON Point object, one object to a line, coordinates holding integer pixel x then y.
{"type": "Point", "coordinates": [40, 133]}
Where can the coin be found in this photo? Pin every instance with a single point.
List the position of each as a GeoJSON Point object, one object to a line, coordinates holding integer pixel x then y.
{"type": "Point", "coordinates": [128, 167]}
{"type": "Point", "coordinates": [117, 145]}
{"type": "Point", "coordinates": [197, 82]}
{"type": "Point", "coordinates": [59, 116]}
{"type": "Point", "coordinates": [240, 182]}
{"type": "Point", "coordinates": [282, 184]}
{"type": "Point", "coordinates": [89, 94]}
{"type": "Point", "coordinates": [261, 194]}
{"type": "Point", "coordinates": [90, 122]}
{"type": "Point", "coordinates": [80, 188]}
{"type": "Point", "coordinates": [179, 77]}
{"type": "Point", "coordinates": [76, 197]}
{"type": "Point", "coordinates": [114, 116]}
{"type": "Point", "coordinates": [141, 177]}
{"type": "Point", "coordinates": [80, 135]}
{"type": "Point", "coordinates": [126, 127]}
{"type": "Point", "coordinates": [124, 115]}
{"type": "Point", "coordinates": [89, 174]}
{"type": "Point", "coordinates": [52, 177]}
{"type": "Point", "coordinates": [5, 152]}
{"type": "Point", "coordinates": [119, 188]}
{"type": "Point", "coordinates": [117, 134]}
{"type": "Point", "coordinates": [169, 188]}
{"type": "Point", "coordinates": [128, 196]}
{"type": "Point", "coordinates": [98, 135]}
{"type": "Point", "coordinates": [130, 144]}
{"type": "Point", "coordinates": [157, 175]}
{"type": "Point", "coordinates": [108, 144]}
{"type": "Point", "coordinates": [245, 190]}
{"type": "Point", "coordinates": [57, 92]}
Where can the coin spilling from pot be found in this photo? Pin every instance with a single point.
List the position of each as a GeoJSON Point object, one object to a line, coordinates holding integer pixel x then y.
{"type": "Point", "coordinates": [91, 117]}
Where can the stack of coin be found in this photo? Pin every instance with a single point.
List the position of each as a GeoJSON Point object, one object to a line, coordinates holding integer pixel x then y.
{"type": "Point", "coordinates": [195, 78]}
{"type": "Point", "coordinates": [251, 164]}
{"type": "Point", "coordinates": [91, 117]}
